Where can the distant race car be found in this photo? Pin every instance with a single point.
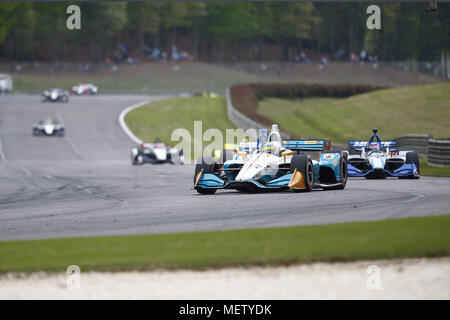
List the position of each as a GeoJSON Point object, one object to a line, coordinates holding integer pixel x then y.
{"type": "Point", "coordinates": [55, 94]}
{"type": "Point", "coordinates": [157, 152]}
{"type": "Point", "coordinates": [6, 83]}
{"type": "Point", "coordinates": [84, 89]}
{"type": "Point", "coordinates": [378, 159]}
{"type": "Point", "coordinates": [273, 164]}
{"type": "Point", "coordinates": [48, 127]}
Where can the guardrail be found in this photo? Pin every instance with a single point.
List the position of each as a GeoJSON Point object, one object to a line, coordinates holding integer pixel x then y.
{"type": "Point", "coordinates": [417, 142]}
{"type": "Point", "coordinates": [439, 152]}
{"type": "Point", "coordinates": [436, 150]}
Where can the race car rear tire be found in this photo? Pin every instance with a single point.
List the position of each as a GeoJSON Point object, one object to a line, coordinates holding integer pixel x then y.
{"type": "Point", "coordinates": [343, 167]}
{"type": "Point", "coordinates": [413, 157]}
{"type": "Point", "coordinates": [207, 165]}
{"type": "Point", "coordinates": [303, 163]}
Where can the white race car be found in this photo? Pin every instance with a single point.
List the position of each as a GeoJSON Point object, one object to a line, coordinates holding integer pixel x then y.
{"type": "Point", "coordinates": [6, 83]}
{"type": "Point", "coordinates": [54, 95]}
{"type": "Point", "coordinates": [157, 152]}
{"type": "Point", "coordinates": [273, 164]}
{"type": "Point", "coordinates": [378, 159]}
{"type": "Point", "coordinates": [84, 89]}
{"type": "Point", "coordinates": [48, 128]}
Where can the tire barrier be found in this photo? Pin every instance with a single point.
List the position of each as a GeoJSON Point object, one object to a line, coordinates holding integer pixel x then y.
{"type": "Point", "coordinates": [439, 153]}
{"type": "Point", "coordinates": [417, 142]}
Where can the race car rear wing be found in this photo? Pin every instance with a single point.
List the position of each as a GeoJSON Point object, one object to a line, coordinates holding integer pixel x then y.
{"type": "Point", "coordinates": [358, 145]}
{"type": "Point", "coordinates": [307, 144]}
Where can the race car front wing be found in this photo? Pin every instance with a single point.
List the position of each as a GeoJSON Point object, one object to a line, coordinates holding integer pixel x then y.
{"type": "Point", "coordinates": [406, 170]}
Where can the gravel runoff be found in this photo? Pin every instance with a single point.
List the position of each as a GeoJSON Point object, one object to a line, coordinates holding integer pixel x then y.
{"type": "Point", "coordinates": [399, 279]}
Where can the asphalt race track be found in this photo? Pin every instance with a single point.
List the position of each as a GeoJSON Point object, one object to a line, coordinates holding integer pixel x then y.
{"type": "Point", "coordinates": [84, 184]}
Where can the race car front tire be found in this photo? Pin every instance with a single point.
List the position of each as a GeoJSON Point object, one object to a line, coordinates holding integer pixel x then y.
{"type": "Point", "coordinates": [413, 157]}
{"type": "Point", "coordinates": [303, 163]}
{"type": "Point", "coordinates": [207, 165]}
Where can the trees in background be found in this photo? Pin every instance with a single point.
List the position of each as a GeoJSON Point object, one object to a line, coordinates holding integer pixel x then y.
{"type": "Point", "coordinates": [37, 30]}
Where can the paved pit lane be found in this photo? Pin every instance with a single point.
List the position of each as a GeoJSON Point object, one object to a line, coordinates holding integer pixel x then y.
{"type": "Point", "coordinates": [84, 184]}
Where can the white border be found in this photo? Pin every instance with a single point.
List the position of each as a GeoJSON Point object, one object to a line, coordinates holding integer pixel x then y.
{"type": "Point", "coordinates": [124, 126]}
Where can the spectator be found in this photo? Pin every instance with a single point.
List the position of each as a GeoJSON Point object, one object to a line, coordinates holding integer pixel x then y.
{"type": "Point", "coordinates": [363, 55]}
{"type": "Point", "coordinates": [340, 54]}
{"type": "Point", "coordinates": [304, 58]}
{"type": "Point", "coordinates": [155, 54]}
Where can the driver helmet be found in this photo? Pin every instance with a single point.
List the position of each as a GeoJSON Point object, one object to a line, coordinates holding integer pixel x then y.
{"type": "Point", "coordinates": [374, 146]}
{"type": "Point", "coordinates": [271, 147]}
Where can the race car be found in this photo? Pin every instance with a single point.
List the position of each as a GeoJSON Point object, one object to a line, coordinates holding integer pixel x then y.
{"type": "Point", "coordinates": [376, 159]}
{"type": "Point", "coordinates": [55, 94]}
{"type": "Point", "coordinates": [6, 83]}
{"type": "Point", "coordinates": [157, 152]}
{"type": "Point", "coordinates": [84, 89]}
{"type": "Point", "coordinates": [48, 127]}
{"type": "Point", "coordinates": [271, 164]}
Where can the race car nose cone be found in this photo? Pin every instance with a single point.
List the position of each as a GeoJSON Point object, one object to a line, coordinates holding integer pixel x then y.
{"type": "Point", "coordinates": [161, 154]}
{"type": "Point", "coordinates": [48, 129]}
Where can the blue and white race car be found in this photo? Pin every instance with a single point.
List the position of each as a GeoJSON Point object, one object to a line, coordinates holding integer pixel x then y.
{"type": "Point", "coordinates": [378, 159]}
{"type": "Point", "coordinates": [273, 164]}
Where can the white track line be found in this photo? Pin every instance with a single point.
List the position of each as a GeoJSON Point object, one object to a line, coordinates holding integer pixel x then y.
{"type": "Point", "coordinates": [2, 154]}
{"type": "Point", "coordinates": [124, 126]}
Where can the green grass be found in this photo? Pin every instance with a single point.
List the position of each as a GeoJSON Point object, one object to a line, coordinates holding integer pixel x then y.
{"type": "Point", "coordinates": [161, 118]}
{"type": "Point", "coordinates": [388, 239]}
{"type": "Point", "coordinates": [427, 170]}
{"type": "Point", "coordinates": [394, 112]}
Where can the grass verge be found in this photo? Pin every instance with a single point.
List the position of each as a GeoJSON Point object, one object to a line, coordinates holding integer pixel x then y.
{"type": "Point", "coordinates": [160, 119]}
{"type": "Point", "coordinates": [387, 239]}
{"type": "Point", "coordinates": [394, 112]}
{"type": "Point", "coordinates": [427, 170]}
